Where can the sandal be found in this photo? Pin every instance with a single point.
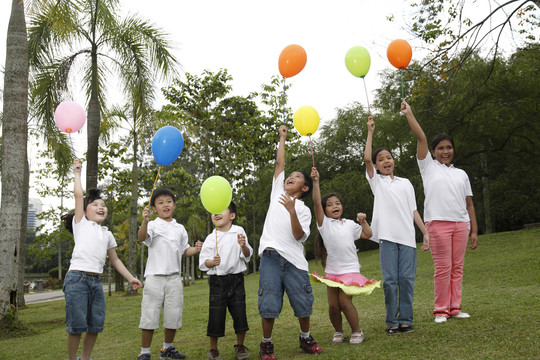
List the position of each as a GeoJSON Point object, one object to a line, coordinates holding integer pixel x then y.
{"type": "Point", "coordinates": [357, 338]}
{"type": "Point", "coordinates": [338, 337]}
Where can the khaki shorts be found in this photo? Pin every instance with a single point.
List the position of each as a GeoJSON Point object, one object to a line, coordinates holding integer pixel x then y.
{"type": "Point", "coordinates": [162, 291]}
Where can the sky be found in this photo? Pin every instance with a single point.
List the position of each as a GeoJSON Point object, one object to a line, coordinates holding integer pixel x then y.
{"type": "Point", "coordinates": [246, 37]}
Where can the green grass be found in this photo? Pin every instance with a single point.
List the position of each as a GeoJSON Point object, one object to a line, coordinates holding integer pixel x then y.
{"type": "Point", "coordinates": [501, 292]}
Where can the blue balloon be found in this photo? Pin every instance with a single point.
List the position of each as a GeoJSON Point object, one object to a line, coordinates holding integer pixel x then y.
{"type": "Point", "coordinates": [167, 145]}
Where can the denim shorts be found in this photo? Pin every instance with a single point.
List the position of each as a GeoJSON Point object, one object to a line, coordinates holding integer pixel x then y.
{"type": "Point", "coordinates": [85, 303]}
{"type": "Point", "coordinates": [276, 275]}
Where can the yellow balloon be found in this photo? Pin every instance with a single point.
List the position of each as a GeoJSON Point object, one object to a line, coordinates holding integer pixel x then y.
{"type": "Point", "coordinates": [306, 120]}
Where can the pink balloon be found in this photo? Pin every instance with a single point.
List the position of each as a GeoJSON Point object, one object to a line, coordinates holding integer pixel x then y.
{"type": "Point", "coordinates": [69, 116]}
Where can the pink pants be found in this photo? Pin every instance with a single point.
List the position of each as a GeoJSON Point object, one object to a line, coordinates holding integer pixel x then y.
{"type": "Point", "coordinates": [448, 242]}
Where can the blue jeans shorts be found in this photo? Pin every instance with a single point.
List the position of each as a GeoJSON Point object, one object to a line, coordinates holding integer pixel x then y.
{"type": "Point", "coordinates": [276, 275]}
{"type": "Point", "coordinates": [85, 303]}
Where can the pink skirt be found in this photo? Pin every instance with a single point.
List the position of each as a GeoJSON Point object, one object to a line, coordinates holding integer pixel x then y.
{"type": "Point", "coordinates": [354, 279]}
{"type": "Point", "coordinates": [351, 284]}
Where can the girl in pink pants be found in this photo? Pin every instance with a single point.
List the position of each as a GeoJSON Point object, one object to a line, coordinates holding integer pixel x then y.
{"type": "Point", "coordinates": [449, 216]}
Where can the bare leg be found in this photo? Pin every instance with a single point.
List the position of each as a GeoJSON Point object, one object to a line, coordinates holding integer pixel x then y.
{"type": "Point", "coordinates": [147, 336]}
{"type": "Point", "coordinates": [89, 341]}
{"type": "Point", "coordinates": [334, 308]}
{"type": "Point", "coordinates": [267, 326]}
{"type": "Point", "coordinates": [213, 343]}
{"type": "Point", "coordinates": [73, 341]}
{"type": "Point", "coordinates": [169, 335]}
{"type": "Point", "coordinates": [348, 308]}
{"type": "Point", "coordinates": [240, 338]}
{"type": "Point", "coordinates": [304, 324]}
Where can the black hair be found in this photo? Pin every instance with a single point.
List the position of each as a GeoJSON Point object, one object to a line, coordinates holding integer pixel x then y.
{"type": "Point", "coordinates": [320, 249]}
{"type": "Point", "coordinates": [307, 182]}
{"type": "Point", "coordinates": [374, 156]}
{"type": "Point", "coordinates": [161, 192]}
{"type": "Point", "coordinates": [232, 210]}
{"type": "Point", "coordinates": [92, 195]}
{"type": "Point", "coordinates": [438, 138]}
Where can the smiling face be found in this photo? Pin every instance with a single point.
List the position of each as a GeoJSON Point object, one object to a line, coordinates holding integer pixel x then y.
{"type": "Point", "coordinates": [164, 206]}
{"type": "Point", "coordinates": [295, 184]}
{"type": "Point", "coordinates": [333, 208]}
{"type": "Point", "coordinates": [384, 163]}
{"type": "Point", "coordinates": [444, 152]}
{"type": "Point", "coordinates": [96, 211]}
{"type": "Point", "coordinates": [223, 221]}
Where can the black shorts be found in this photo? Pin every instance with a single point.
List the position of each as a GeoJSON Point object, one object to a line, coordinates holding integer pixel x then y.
{"type": "Point", "coordinates": [227, 291]}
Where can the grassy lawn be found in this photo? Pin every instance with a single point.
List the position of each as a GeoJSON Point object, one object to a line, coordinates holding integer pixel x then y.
{"type": "Point", "coordinates": [501, 292]}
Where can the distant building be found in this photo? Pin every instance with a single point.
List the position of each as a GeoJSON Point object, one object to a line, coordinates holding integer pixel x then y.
{"type": "Point", "coordinates": [34, 208]}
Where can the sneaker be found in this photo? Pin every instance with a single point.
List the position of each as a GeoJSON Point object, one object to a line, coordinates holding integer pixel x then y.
{"type": "Point", "coordinates": [266, 351]}
{"type": "Point", "coordinates": [213, 355]}
{"type": "Point", "coordinates": [241, 352]}
{"type": "Point", "coordinates": [171, 353]}
{"type": "Point", "coordinates": [356, 338]}
{"type": "Point", "coordinates": [309, 345]}
{"type": "Point", "coordinates": [144, 357]}
{"type": "Point", "coordinates": [461, 315]}
{"type": "Point", "coordinates": [406, 329]}
{"type": "Point", "coordinates": [338, 337]}
{"type": "Point", "coordinates": [440, 318]}
{"type": "Point", "coordinates": [391, 331]}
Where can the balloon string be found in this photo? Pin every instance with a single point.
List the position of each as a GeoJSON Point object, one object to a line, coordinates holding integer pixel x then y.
{"type": "Point", "coordinates": [153, 187]}
{"type": "Point", "coordinates": [283, 100]}
{"type": "Point", "coordinates": [312, 156]}
{"type": "Point", "coordinates": [72, 149]}
{"type": "Point", "coordinates": [402, 91]}
{"type": "Point", "coordinates": [367, 98]}
{"type": "Point", "coordinates": [217, 252]}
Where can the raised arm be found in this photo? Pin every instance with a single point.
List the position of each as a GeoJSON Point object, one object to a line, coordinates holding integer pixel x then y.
{"type": "Point", "coordinates": [422, 148]}
{"type": "Point", "coordinates": [368, 150]}
{"type": "Point", "coordinates": [78, 191]}
{"type": "Point", "coordinates": [280, 157]}
{"type": "Point", "coordinates": [143, 230]}
{"type": "Point", "coordinates": [317, 204]}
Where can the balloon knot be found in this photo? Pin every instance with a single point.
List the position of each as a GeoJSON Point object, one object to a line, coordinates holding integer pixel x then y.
{"type": "Point", "coordinates": [68, 130]}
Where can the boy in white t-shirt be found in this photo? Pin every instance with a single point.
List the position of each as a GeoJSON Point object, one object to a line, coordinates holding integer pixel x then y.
{"type": "Point", "coordinates": [224, 255]}
{"type": "Point", "coordinates": [283, 265]}
{"type": "Point", "coordinates": [167, 243]}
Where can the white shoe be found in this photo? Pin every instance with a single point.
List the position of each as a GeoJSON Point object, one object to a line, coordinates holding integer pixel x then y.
{"type": "Point", "coordinates": [461, 315]}
{"type": "Point", "coordinates": [440, 318]}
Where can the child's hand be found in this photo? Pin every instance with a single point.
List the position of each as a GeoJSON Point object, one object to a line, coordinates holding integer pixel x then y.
{"type": "Point", "coordinates": [282, 131]}
{"type": "Point", "coordinates": [405, 108]}
{"type": "Point", "coordinates": [314, 174]}
{"type": "Point", "coordinates": [198, 246]}
{"type": "Point", "coordinates": [370, 124]}
{"type": "Point", "coordinates": [135, 283]}
{"type": "Point", "coordinates": [241, 240]}
{"type": "Point", "coordinates": [361, 218]}
{"type": "Point", "coordinates": [77, 166]}
{"type": "Point", "coordinates": [425, 245]}
{"type": "Point", "coordinates": [217, 260]}
{"type": "Point", "coordinates": [288, 202]}
{"type": "Point", "coordinates": [146, 213]}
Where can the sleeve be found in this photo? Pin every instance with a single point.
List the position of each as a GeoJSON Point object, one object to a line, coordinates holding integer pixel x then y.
{"type": "Point", "coordinates": [304, 217]}
{"type": "Point", "coordinates": [246, 259]}
{"type": "Point", "coordinates": [468, 189]}
{"type": "Point", "coordinates": [184, 240]}
{"type": "Point", "coordinates": [277, 183]}
{"type": "Point", "coordinates": [425, 165]}
{"type": "Point", "coordinates": [356, 229]}
{"type": "Point", "coordinates": [111, 243]}
{"type": "Point", "coordinates": [150, 232]}
{"type": "Point", "coordinates": [411, 197]}
{"type": "Point", "coordinates": [207, 252]}
{"type": "Point", "coordinates": [373, 182]}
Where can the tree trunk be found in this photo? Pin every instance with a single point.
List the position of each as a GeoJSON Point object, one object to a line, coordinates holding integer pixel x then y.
{"type": "Point", "coordinates": [94, 123]}
{"type": "Point", "coordinates": [485, 189]}
{"type": "Point", "coordinates": [14, 156]}
{"type": "Point", "coordinates": [23, 250]}
{"type": "Point", "coordinates": [132, 251]}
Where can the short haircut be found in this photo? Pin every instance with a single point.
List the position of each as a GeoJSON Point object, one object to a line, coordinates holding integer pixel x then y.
{"type": "Point", "coordinates": [161, 192]}
{"type": "Point", "coordinates": [438, 138]}
{"type": "Point", "coordinates": [232, 210]}
{"type": "Point", "coordinates": [374, 156]}
{"type": "Point", "coordinates": [307, 182]}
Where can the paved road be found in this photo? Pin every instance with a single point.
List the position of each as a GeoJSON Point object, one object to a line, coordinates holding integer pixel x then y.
{"type": "Point", "coordinates": [43, 296]}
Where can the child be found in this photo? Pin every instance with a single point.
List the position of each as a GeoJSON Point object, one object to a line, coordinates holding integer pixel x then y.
{"type": "Point", "coordinates": [449, 215]}
{"type": "Point", "coordinates": [167, 243]}
{"type": "Point", "coordinates": [283, 265]}
{"type": "Point", "coordinates": [224, 256]}
{"type": "Point", "coordinates": [394, 211]}
{"type": "Point", "coordinates": [85, 301]}
{"type": "Point", "coordinates": [335, 246]}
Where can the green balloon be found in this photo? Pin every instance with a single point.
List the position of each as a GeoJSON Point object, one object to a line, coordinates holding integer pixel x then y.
{"type": "Point", "coordinates": [358, 61]}
{"type": "Point", "coordinates": [216, 194]}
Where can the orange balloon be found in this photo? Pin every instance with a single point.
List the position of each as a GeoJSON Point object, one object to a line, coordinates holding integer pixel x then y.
{"type": "Point", "coordinates": [399, 53]}
{"type": "Point", "coordinates": [292, 60]}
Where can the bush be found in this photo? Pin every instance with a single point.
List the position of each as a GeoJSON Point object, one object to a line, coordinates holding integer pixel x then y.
{"type": "Point", "coordinates": [53, 283]}
{"type": "Point", "coordinates": [53, 273]}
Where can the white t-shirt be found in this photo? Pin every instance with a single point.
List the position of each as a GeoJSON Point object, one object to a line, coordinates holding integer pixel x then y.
{"type": "Point", "coordinates": [91, 244]}
{"type": "Point", "coordinates": [167, 241]}
{"type": "Point", "coordinates": [233, 260]}
{"type": "Point", "coordinates": [393, 209]}
{"type": "Point", "coordinates": [338, 237]}
{"type": "Point", "coordinates": [277, 231]}
{"type": "Point", "coordinates": [446, 189]}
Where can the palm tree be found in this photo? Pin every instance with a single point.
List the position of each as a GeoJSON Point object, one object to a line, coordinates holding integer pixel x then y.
{"type": "Point", "coordinates": [72, 37]}
{"type": "Point", "coordinates": [14, 158]}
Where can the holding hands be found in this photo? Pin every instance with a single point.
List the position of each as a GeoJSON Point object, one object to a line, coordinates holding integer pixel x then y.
{"type": "Point", "coordinates": [425, 245]}
{"type": "Point", "coordinates": [135, 283]}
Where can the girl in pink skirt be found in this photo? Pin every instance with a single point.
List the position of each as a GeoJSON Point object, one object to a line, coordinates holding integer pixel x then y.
{"type": "Point", "coordinates": [335, 246]}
